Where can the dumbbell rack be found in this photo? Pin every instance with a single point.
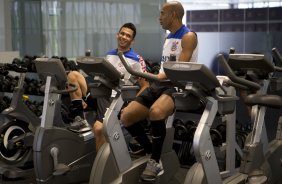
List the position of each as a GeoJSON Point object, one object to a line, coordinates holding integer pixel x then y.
{"type": "Point", "coordinates": [185, 134]}
{"type": "Point", "coordinates": [17, 124]}
{"type": "Point", "coordinates": [31, 97]}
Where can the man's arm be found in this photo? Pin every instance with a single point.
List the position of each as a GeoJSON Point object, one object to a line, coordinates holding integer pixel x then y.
{"type": "Point", "coordinates": [188, 43]}
{"type": "Point", "coordinates": [143, 83]}
{"type": "Point", "coordinates": [161, 76]}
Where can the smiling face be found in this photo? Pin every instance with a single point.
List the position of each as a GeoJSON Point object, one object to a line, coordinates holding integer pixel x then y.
{"type": "Point", "coordinates": [166, 17]}
{"type": "Point", "coordinates": [125, 38]}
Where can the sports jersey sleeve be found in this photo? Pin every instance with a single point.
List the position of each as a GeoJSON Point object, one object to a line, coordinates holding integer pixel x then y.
{"type": "Point", "coordinates": [135, 60]}
{"type": "Point", "coordinates": [142, 63]}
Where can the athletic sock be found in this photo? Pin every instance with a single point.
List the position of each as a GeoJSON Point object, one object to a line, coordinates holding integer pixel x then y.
{"type": "Point", "coordinates": [76, 109]}
{"type": "Point", "coordinates": [138, 133]}
{"type": "Point", "coordinates": [158, 136]}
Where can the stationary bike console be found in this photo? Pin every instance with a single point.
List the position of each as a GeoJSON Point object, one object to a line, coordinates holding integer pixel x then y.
{"type": "Point", "coordinates": [198, 73]}
{"type": "Point", "coordinates": [100, 66]}
{"type": "Point", "coordinates": [258, 63]}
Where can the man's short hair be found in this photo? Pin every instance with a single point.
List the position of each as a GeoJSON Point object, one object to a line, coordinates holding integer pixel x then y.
{"type": "Point", "coordinates": [131, 26]}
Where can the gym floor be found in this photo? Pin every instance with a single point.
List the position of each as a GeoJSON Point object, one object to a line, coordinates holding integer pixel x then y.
{"type": "Point", "coordinates": [30, 178]}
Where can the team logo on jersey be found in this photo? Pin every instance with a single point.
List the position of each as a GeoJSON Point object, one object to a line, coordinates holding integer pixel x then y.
{"type": "Point", "coordinates": [142, 62]}
{"type": "Point", "coordinates": [174, 46]}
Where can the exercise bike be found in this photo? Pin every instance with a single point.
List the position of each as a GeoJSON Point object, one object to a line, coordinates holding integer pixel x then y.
{"type": "Point", "coordinates": [60, 155]}
{"type": "Point", "coordinates": [194, 87]}
{"type": "Point", "coordinates": [256, 166]}
{"type": "Point", "coordinates": [113, 163]}
{"type": "Point", "coordinates": [17, 128]}
{"type": "Point", "coordinates": [197, 80]}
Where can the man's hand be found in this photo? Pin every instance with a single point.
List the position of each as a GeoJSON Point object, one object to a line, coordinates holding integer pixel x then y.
{"type": "Point", "coordinates": [84, 104]}
{"type": "Point", "coordinates": [162, 76]}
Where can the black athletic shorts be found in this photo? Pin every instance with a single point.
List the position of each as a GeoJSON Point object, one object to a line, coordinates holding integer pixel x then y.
{"type": "Point", "coordinates": [152, 93]}
{"type": "Point", "coordinates": [102, 104]}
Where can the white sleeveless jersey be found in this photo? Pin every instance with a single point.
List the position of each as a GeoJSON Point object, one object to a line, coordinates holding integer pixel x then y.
{"type": "Point", "coordinates": [172, 47]}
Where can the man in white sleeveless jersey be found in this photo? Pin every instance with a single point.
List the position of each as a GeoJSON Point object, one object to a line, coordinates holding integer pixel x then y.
{"type": "Point", "coordinates": [156, 103]}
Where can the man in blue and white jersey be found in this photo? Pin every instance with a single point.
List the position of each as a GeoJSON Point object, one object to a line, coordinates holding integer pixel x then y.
{"type": "Point", "coordinates": [136, 61]}
{"type": "Point", "coordinates": [125, 38]}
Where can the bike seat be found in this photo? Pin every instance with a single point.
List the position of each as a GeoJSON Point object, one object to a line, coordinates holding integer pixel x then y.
{"type": "Point", "coordinates": [273, 101]}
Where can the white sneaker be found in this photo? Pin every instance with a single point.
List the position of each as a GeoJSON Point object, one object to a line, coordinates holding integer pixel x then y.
{"type": "Point", "coordinates": [152, 170]}
{"type": "Point", "coordinates": [79, 125]}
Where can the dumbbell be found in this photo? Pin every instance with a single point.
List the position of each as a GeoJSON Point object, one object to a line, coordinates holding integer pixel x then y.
{"type": "Point", "coordinates": [180, 129]}
{"type": "Point", "coordinates": [191, 127]}
{"type": "Point", "coordinates": [184, 130]}
{"type": "Point", "coordinates": [222, 129]}
{"type": "Point", "coordinates": [30, 64]}
{"type": "Point", "coordinates": [3, 71]}
{"type": "Point", "coordinates": [216, 137]}
{"type": "Point", "coordinates": [16, 61]}
{"type": "Point", "coordinates": [7, 83]}
{"type": "Point", "coordinates": [5, 103]}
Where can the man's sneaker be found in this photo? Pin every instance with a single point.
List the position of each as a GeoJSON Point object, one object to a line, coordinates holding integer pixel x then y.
{"type": "Point", "coordinates": [79, 125]}
{"type": "Point", "coordinates": [152, 171]}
